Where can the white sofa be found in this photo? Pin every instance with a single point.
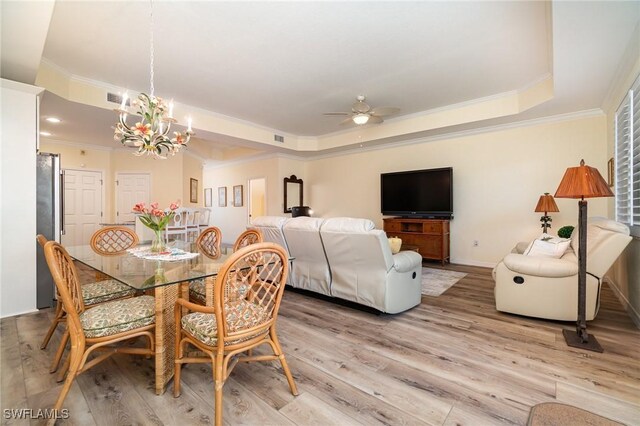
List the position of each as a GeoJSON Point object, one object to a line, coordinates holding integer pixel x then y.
{"type": "Point", "coordinates": [548, 288]}
{"type": "Point", "coordinates": [348, 259]}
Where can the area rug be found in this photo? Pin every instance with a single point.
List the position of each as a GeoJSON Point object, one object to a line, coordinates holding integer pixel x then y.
{"type": "Point", "coordinates": [437, 281]}
{"type": "Point", "coordinates": [554, 414]}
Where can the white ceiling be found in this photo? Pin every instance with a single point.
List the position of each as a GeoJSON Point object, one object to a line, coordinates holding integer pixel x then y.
{"type": "Point", "coordinates": [280, 65]}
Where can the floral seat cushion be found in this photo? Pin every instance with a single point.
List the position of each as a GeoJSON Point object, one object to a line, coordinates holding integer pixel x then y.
{"type": "Point", "coordinates": [102, 291]}
{"type": "Point", "coordinates": [197, 291]}
{"type": "Point", "coordinates": [240, 315]}
{"type": "Point", "coordinates": [118, 316]}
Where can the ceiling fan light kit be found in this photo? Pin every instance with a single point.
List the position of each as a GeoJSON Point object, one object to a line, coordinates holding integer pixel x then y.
{"type": "Point", "coordinates": [362, 113]}
{"type": "Point", "coordinates": [360, 119]}
{"type": "Point", "coordinates": [150, 134]}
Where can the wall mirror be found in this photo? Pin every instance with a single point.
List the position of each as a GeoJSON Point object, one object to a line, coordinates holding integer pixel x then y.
{"type": "Point", "coordinates": [292, 193]}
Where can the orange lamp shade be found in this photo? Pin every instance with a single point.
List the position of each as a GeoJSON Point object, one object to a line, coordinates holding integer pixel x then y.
{"type": "Point", "coordinates": [546, 203]}
{"type": "Point", "coordinates": [583, 182]}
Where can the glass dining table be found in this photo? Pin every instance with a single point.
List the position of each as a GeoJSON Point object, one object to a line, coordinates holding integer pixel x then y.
{"type": "Point", "coordinates": [168, 279]}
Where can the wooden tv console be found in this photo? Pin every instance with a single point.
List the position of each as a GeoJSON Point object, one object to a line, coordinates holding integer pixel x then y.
{"type": "Point", "coordinates": [430, 236]}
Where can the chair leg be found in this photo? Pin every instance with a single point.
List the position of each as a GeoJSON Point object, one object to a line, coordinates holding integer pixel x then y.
{"type": "Point", "coordinates": [219, 383]}
{"type": "Point", "coordinates": [63, 370]}
{"type": "Point", "coordinates": [56, 359]}
{"type": "Point", "coordinates": [283, 361]}
{"type": "Point", "coordinates": [178, 365]}
{"type": "Point", "coordinates": [54, 325]}
{"type": "Point", "coordinates": [76, 357]}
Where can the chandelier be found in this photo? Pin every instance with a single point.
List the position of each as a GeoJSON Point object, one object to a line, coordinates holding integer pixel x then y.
{"type": "Point", "coordinates": [150, 134]}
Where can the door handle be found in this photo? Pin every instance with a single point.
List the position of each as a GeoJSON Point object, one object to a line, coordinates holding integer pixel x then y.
{"type": "Point", "coordinates": [62, 230]}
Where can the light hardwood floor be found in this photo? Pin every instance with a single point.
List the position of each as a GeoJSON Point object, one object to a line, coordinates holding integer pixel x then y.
{"type": "Point", "coordinates": [452, 360]}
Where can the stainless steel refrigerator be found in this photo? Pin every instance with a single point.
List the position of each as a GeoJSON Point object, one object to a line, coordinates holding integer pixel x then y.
{"type": "Point", "coordinates": [49, 219]}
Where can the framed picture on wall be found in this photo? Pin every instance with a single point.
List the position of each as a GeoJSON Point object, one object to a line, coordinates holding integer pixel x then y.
{"type": "Point", "coordinates": [222, 196]}
{"type": "Point", "coordinates": [194, 190]}
{"type": "Point", "coordinates": [237, 196]}
{"type": "Point", "coordinates": [207, 197]}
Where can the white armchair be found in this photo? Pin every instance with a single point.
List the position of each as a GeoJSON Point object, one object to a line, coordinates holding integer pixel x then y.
{"type": "Point", "coordinates": [548, 288]}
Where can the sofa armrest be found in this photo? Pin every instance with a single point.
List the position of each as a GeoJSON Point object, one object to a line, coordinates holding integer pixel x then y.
{"type": "Point", "coordinates": [540, 266]}
{"type": "Point", "coordinates": [406, 261]}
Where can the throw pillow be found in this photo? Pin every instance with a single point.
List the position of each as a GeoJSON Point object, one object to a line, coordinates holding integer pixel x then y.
{"type": "Point", "coordinates": [548, 247]}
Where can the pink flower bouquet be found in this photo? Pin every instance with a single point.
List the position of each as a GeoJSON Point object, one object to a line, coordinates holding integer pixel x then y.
{"type": "Point", "coordinates": [156, 220]}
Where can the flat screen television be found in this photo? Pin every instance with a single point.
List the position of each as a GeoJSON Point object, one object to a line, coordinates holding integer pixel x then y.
{"type": "Point", "coordinates": [418, 193]}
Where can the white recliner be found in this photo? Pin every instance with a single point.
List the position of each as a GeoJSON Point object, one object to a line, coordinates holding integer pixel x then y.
{"type": "Point", "coordinates": [364, 270]}
{"type": "Point", "coordinates": [309, 269]}
{"type": "Point", "coordinates": [271, 228]}
{"type": "Point", "coordinates": [348, 259]}
{"type": "Point", "coordinates": [547, 287]}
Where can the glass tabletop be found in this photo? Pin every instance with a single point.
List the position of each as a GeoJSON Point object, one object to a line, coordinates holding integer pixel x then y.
{"type": "Point", "coordinates": [142, 273]}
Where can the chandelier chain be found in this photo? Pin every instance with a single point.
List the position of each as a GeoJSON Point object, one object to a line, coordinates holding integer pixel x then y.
{"type": "Point", "coordinates": [150, 135]}
{"type": "Point", "coordinates": [151, 50]}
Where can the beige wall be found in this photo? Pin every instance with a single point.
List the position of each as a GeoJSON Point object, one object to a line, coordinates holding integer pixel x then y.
{"type": "Point", "coordinates": [233, 220]}
{"type": "Point", "coordinates": [625, 273]}
{"type": "Point", "coordinates": [498, 177]}
{"type": "Point", "coordinates": [169, 178]}
{"type": "Point", "coordinates": [74, 157]}
{"type": "Point", "coordinates": [192, 169]}
{"type": "Point", "coordinates": [258, 198]}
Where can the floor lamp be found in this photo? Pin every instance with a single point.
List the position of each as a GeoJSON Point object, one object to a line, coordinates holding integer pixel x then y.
{"type": "Point", "coordinates": [546, 204]}
{"type": "Point", "coordinates": [582, 182]}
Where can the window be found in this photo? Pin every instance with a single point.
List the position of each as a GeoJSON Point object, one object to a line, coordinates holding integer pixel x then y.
{"type": "Point", "coordinates": [627, 160]}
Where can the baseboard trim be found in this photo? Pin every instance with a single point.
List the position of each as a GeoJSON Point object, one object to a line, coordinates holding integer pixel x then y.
{"type": "Point", "coordinates": [467, 262]}
{"type": "Point", "coordinates": [633, 314]}
{"type": "Point", "coordinates": [15, 314]}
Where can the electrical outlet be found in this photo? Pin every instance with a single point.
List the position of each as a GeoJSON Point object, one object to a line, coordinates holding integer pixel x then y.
{"type": "Point", "coordinates": [475, 243]}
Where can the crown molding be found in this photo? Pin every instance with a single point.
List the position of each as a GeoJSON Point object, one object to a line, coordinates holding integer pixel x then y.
{"type": "Point", "coordinates": [465, 133]}
{"type": "Point", "coordinates": [455, 106]}
{"type": "Point", "coordinates": [218, 164]}
{"type": "Point", "coordinates": [120, 90]}
{"type": "Point", "coordinates": [211, 165]}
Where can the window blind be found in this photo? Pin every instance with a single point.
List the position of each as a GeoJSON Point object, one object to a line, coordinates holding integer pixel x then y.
{"type": "Point", "coordinates": [627, 159]}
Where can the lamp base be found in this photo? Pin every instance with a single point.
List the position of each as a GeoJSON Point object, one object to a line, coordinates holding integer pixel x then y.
{"type": "Point", "coordinates": [573, 339]}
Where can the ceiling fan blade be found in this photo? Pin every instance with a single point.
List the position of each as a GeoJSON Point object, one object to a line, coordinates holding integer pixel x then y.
{"type": "Point", "coordinates": [384, 111]}
{"type": "Point", "coordinates": [375, 119]}
{"type": "Point", "coordinates": [336, 113]}
{"type": "Point", "coordinates": [346, 121]}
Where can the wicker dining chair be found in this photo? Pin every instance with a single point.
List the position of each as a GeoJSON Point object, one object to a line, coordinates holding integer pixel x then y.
{"type": "Point", "coordinates": [247, 295]}
{"type": "Point", "coordinates": [98, 327]}
{"type": "Point", "coordinates": [209, 243]}
{"type": "Point", "coordinates": [113, 240]}
{"type": "Point", "coordinates": [102, 290]}
{"type": "Point", "coordinates": [248, 237]}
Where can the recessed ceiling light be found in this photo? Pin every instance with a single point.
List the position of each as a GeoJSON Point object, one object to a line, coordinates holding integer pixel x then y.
{"type": "Point", "coordinates": [45, 134]}
{"type": "Point", "coordinates": [53, 120]}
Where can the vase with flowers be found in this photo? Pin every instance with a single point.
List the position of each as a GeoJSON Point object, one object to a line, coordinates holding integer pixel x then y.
{"type": "Point", "coordinates": [156, 220]}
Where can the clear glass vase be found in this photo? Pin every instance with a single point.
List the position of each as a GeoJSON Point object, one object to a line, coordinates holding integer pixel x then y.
{"type": "Point", "coordinates": [158, 244]}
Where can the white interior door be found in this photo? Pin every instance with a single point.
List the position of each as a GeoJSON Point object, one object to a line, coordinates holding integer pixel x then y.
{"type": "Point", "coordinates": [257, 198]}
{"type": "Point", "coordinates": [82, 205]}
{"type": "Point", "coordinates": [132, 188]}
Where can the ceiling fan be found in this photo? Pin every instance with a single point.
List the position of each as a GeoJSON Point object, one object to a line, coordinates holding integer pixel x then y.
{"type": "Point", "coordinates": [362, 113]}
